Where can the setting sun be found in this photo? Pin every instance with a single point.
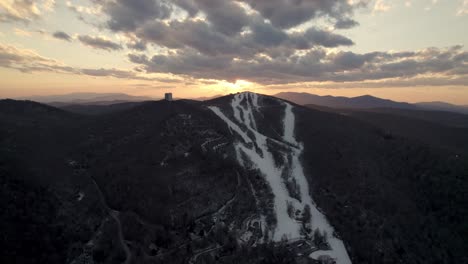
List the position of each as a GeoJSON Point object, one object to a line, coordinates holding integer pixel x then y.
{"type": "Point", "coordinates": [237, 86]}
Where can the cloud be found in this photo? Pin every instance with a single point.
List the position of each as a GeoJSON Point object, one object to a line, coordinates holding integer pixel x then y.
{"type": "Point", "coordinates": [346, 23]}
{"type": "Point", "coordinates": [423, 81]}
{"type": "Point", "coordinates": [315, 65]}
{"type": "Point", "coordinates": [188, 5]}
{"type": "Point", "coordinates": [230, 22]}
{"type": "Point", "coordinates": [24, 10]}
{"type": "Point", "coordinates": [287, 13]}
{"type": "Point", "coordinates": [225, 30]}
{"type": "Point", "coordinates": [80, 9]}
{"type": "Point", "coordinates": [137, 45]}
{"type": "Point", "coordinates": [122, 74]}
{"type": "Point", "coordinates": [28, 61]}
{"type": "Point", "coordinates": [189, 34]}
{"type": "Point", "coordinates": [22, 32]}
{"type": "Point", "coordinates": [128, 14]}
{"type": "Point", "coordinates": [261, 38]}
{"type": "Point", "coordinates": [227, 17]}
{"type": "Point", "coordinates": [327, 39]}
{"type": "Point", "coordinates": [62, 35]}
{"type": "Point", "coordinates": [263, 41]}
{"type": "Point", "coordinates": [99, 42]}
{"type": "Point", "coordinates": [463, 8]}
{"type": "Point", "coordinates": [266, 46]}
{"type": "Point", "coordinates": [381, 6]}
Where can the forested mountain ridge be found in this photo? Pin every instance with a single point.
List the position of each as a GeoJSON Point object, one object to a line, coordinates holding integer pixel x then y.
{"type": "Point", "coordinates": [174, 182]}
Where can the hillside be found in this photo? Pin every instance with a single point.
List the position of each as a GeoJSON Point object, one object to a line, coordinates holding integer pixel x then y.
{"type": "Point", "coordinates": [86, 98]}
{"type": "Point", "coordinates": [365, 101]}
{"type": "Point", "coordinates": [445, 118]}
{"type": "Point", "coordinates": [98, 109]}
{"type": "Point", "coordinates": [236, 179]}
{"type": "Point", "coordinates": [437, 129]}
{"type": "Point", "coordinates": [442, 106]}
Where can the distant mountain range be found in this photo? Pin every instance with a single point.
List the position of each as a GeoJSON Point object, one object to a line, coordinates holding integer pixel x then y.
{"type": "Point", "coordinates": [366, 102]}
{"type": "Point", "coordinates": [87, 98]}
{"type": "Point", "coordinates": [74, 101]}
{"type": "Point", "coordinates": [442, 106]}
{"type": "Point", "coordinates": [97, 99]}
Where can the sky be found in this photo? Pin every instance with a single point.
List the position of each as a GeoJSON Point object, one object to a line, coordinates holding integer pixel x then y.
{"type": "Point", "coordinates": [405, 50]}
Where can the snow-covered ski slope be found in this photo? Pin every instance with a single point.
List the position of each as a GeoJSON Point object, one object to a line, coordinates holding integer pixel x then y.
{"type": "Point", "coordinates": [252, 150]}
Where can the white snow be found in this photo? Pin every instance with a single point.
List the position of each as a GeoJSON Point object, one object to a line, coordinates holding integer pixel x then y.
{"type": "Point", "coordinates": [80, 196]}
{"type": "Point", "coordinates": [230, 124]}
{"type": "Point", "coordinates": [244, 105]}
{"type": "Point", "coordinates": [254, 98]}
{"type": "Point", "coordinates": [208, 141]}
{"type": "Point", "coordinates": [289, 125]}
{"type": "Point", "coordinates": [220, 145]}
{"type": "Point", "coordinates": [246, 236]}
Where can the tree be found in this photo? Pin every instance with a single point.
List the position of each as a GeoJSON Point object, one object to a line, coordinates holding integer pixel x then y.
{"type": "Point", "coordinates": [306, 215]}
{"type": "Point", "coordinates": [320, 238]}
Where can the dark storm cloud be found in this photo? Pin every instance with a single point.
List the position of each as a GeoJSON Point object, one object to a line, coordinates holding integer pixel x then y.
{"type": "Point", "coordinates": [61, 35]}
{"type": "Point", "coordinates": [99, 43]}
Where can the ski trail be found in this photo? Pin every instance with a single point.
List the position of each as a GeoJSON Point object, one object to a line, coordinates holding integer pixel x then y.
{"type": "Point", "coordinates": [230, 124]}
{"type": "Point", "coordinates": [289, 125]}
{"type": "Point", "coordinates": [260, 157]}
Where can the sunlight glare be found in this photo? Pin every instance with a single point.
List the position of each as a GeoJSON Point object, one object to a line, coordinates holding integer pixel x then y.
{"type": "Point", "coordinates": [238, 86]}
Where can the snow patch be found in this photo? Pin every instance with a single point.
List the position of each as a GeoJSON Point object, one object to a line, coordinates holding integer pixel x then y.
{"type": "Point", "coordinates": [80, 197]}
{"type": "Point", "coordinates": [230, 124]}
{"type": "Point", "coordinates": [289, 125]}
{"type": "Point", "coordinates": [244, 105]}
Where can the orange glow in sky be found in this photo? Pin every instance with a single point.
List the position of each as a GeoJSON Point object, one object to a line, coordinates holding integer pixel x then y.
{"type": "Point", "coordinates": [408, 51]}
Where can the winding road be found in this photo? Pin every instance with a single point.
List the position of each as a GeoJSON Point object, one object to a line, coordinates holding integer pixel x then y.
{"type": "Point", "coordinates": [115, 215]}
